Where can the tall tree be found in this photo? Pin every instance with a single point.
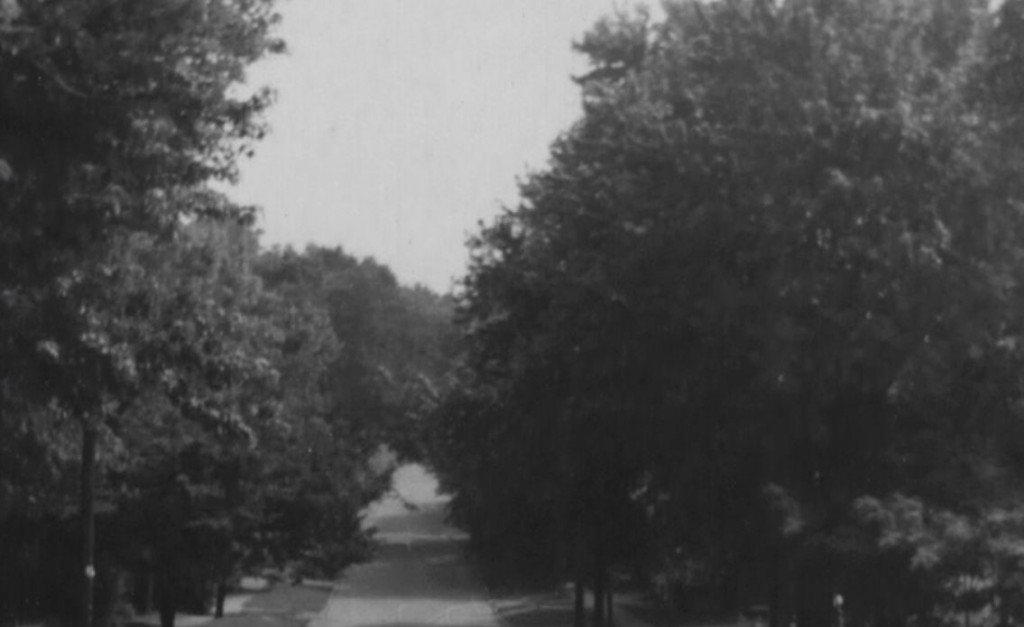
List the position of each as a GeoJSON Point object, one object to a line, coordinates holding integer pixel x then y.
{"type": "Point", "coordinates": [109, 108]}
{"type": "Point", "coordinates": [769, 271]}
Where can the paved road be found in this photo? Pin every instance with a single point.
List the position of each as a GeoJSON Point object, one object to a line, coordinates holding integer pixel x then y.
{"type": "Point", "coordinates": [419, 577]}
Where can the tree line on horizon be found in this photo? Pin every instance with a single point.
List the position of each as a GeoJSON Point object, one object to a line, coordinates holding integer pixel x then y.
{"type": "Point", "coordinates": [753, 335]}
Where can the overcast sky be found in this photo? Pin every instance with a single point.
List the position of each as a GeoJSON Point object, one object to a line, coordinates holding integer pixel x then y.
{"type": "Point", "coordinates": [402, 123]}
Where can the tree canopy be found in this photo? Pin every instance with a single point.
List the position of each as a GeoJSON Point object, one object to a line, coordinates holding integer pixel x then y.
{"type": "Point", "coordinates": [224, 410]}
{"type": "Point", "coordinates": [767, 283]}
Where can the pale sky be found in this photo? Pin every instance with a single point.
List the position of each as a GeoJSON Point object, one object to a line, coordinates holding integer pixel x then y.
{"type": "Point", "coordinates": [402, 123]}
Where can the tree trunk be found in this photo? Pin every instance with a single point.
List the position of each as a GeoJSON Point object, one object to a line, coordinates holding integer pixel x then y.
{"type": "Point", "coordinates": [610, 603]}
{"type": "Point", "coordinates": [222, 593]}
{"type": "Point", "coordinates": [600, 580]}
{"type": "Point", "coordinates": [166, 594]}
{"type": "Point", "coordinates": [167, 612]}
{"type": "Point", "coordinates": [150, 588]}
{"type": "Point", "coordinates": [728, 588]}
{"type": "Point", "coordinates": [775, 618]}
{"type": "Point", "coordinates": [87, 522]}
{"type": "Point", "coordinates": [1004, 607]}
{"type": "Point", "coordinates": [579, 617]}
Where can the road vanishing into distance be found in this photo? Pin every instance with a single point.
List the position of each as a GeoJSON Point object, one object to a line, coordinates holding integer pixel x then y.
{"type": "Point", "coordinates": [419, 575]}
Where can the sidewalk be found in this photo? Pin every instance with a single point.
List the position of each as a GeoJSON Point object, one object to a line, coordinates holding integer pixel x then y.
{"type": "Point", "coordinates": [280, 605]}
{"type": "Point", "coordinates": [556, 610]}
